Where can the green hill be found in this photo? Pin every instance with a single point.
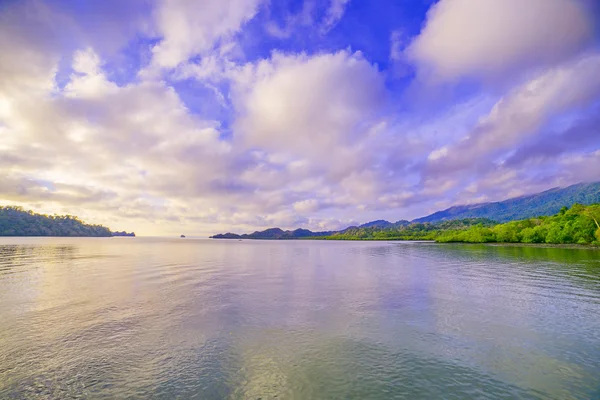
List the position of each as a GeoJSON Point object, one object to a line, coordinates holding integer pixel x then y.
{"type": "Point", "coordinates": [14, 221]}
{"type": "Point", "coordinates": [409, 231]}
{"type": "Point", "coordinates": [460, 218]}
{"type": "Point", "coordinates": [578, 225]}
{"type": "Point", "coordinates": [545, 203]}
{"type": "Point", "coordinates": [272, 234]}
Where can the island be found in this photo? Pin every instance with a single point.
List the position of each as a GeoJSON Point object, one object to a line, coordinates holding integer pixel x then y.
{"type": "Point", "coordinates": [123, 233]}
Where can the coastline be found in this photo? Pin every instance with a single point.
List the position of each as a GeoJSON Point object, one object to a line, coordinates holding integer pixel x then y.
{"type": "Point", "coordinates": [503, 244]}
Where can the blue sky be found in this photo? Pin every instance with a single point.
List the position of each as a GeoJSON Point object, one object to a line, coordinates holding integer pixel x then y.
{"type": "Point", "coordinates": [171, 116]}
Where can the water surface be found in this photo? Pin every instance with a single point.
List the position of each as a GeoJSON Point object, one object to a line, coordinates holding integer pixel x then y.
{"type": "Point", "coordinates": [205, 319]}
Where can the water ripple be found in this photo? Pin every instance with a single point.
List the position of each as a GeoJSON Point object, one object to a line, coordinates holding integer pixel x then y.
{"type": "Point", "coordinates": [162, 318]}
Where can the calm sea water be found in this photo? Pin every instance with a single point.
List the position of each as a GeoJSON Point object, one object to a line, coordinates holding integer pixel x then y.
{"type": "Point", "coordinates": [205, 319]}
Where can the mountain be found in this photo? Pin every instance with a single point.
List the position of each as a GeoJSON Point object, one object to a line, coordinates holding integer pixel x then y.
{"type": "Point", "coordinates": [383, 224]}
{"type": "Point", "coordinates": [273, 234]}
{"type": "Point", "coordinates": [123, 233]}
{"type": "Point", "coordinates": [549, 202]}
{"type": "Point", "coordinates": [577, 225]}
{"type": "Point", "coordinates": [280, 234]}
{"type": "Point", "coordinates": [380, 223]}
{"type": "Point", "coordinates": [227, 235]}
{"type": "Point", "coordinates": [545, 203]}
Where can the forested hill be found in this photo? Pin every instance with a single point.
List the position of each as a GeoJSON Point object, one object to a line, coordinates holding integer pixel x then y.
{"type": "Point", "coordinates": [545, 203]}
{"type": "Point", "coordinates": [273, 234]}
{"type": "Point", "coordinates": [14, 221]}
{"type": "Point", "coordinates": [578, 225]}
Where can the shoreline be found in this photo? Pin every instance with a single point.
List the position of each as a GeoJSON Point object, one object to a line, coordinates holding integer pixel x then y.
{"type": "Point", "coordinates": [504, 244]}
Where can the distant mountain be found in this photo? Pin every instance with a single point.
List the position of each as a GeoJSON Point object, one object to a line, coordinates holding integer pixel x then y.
{"type": "Point", "coordinates": [273, 234]}
{"type": "Point", "coordinates": [123, 233]}
{"type": "Point", "coordinates": [380, 223]}
{"type": "Point", "coordinates": [383, 224]}
{"type": "Point", "coordinates": [545, 203]}
{"type": "Point", "coordinates": [227, 235]}
{"type": "Point", "coordinates": [280, 234]}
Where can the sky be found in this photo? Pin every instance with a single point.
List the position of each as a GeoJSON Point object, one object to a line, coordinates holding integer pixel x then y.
{"type": "Point", "coordinates": [166, 117]}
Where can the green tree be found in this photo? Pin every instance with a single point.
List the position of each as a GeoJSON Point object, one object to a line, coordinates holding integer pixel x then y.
{"type": "Point", "coordinates": [593, 212]}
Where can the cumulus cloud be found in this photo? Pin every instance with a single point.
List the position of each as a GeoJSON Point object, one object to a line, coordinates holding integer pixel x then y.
{"type": "Point", "coordinates": [126, 151]}
{"type": "Point", "coordinates": [322, 122]}
{"type": "Point", "coordinates": [106, 25]}
{"type": "Point", "coordinates": [309, 106]}
{"type": "Point", "coordinates": [305, 137]}
{"type": "Point", "coordinates": [488, 39]}
{"type": "Point", "coordinates": [582, 167]}
{"type": "Point", "coordinates": [102, 145]}
{"type": "Point", "coordinates": [30, 52]}
{"type": "Point", "coordinates": [88, 80]}
{"type": "Point", "coordinates": [582, 135]}
{"type": "Point", "coordinates": [189, 27]}
{"type": "Point", "coordinates": [521, 114]}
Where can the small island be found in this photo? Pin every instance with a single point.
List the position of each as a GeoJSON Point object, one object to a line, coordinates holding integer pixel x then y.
{"type": "Point", "coordinates": [123, 233]}
{"type": "Point", "coordinates": [182, 236]}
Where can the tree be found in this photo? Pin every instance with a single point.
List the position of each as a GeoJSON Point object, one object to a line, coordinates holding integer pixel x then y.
{"type": "Point", "coordinates": [593, 211]}
{"type": "Point", "coordinates": [14, 221]}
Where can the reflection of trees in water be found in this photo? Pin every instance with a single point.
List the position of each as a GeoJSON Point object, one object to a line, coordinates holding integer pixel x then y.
{"type": "Point", "coordinates": [532, 252]}
{"type": "Point", "coordinates": [581, 264]}
{"type": "Point", "coordinates": [17, 255]}
{"type": "Point", "coordinates": [522, 252]}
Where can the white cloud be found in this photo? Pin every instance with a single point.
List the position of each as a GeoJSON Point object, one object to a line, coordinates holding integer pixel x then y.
{"type": "Point", "coordinates": [522, 112]}
{"type": "Point", "coordinates": [581, 167]}
{"type": "Point", "coordinates": [29, 54]}
{"type": "Point", "coordinates": [306, 18]}
{"type": "Point", "coordinates": [86, 62]}
{"type": "Point", "coordinates": [190, 27]}
{"type": "Point", "coordinates": [438, 153]}
{"type": "Point", "coordinates": [88, 79]}
{"type": "Point", "coordinates": [490, 38]}
{"type": "Point", "coordinates": [303, 18]}
{"type": "Point", "coordinates": [397, 42]}
{"type": "Point", "coordinates": [334, 14]}
{"type": "Point", "coordinates": [103, 150]}
{"type": "Point", "coordinates": [122, 154]}
{"type": "Point", "coordinates": [308, 106]}
{"type": "Point", "coordinates": [306, 206]}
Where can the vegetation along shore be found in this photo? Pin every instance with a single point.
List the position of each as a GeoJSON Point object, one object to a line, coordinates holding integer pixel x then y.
{"type": "Point", "coordinates": [578, 225]}
{"type": "Point", "coordinates": [15, 221]}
